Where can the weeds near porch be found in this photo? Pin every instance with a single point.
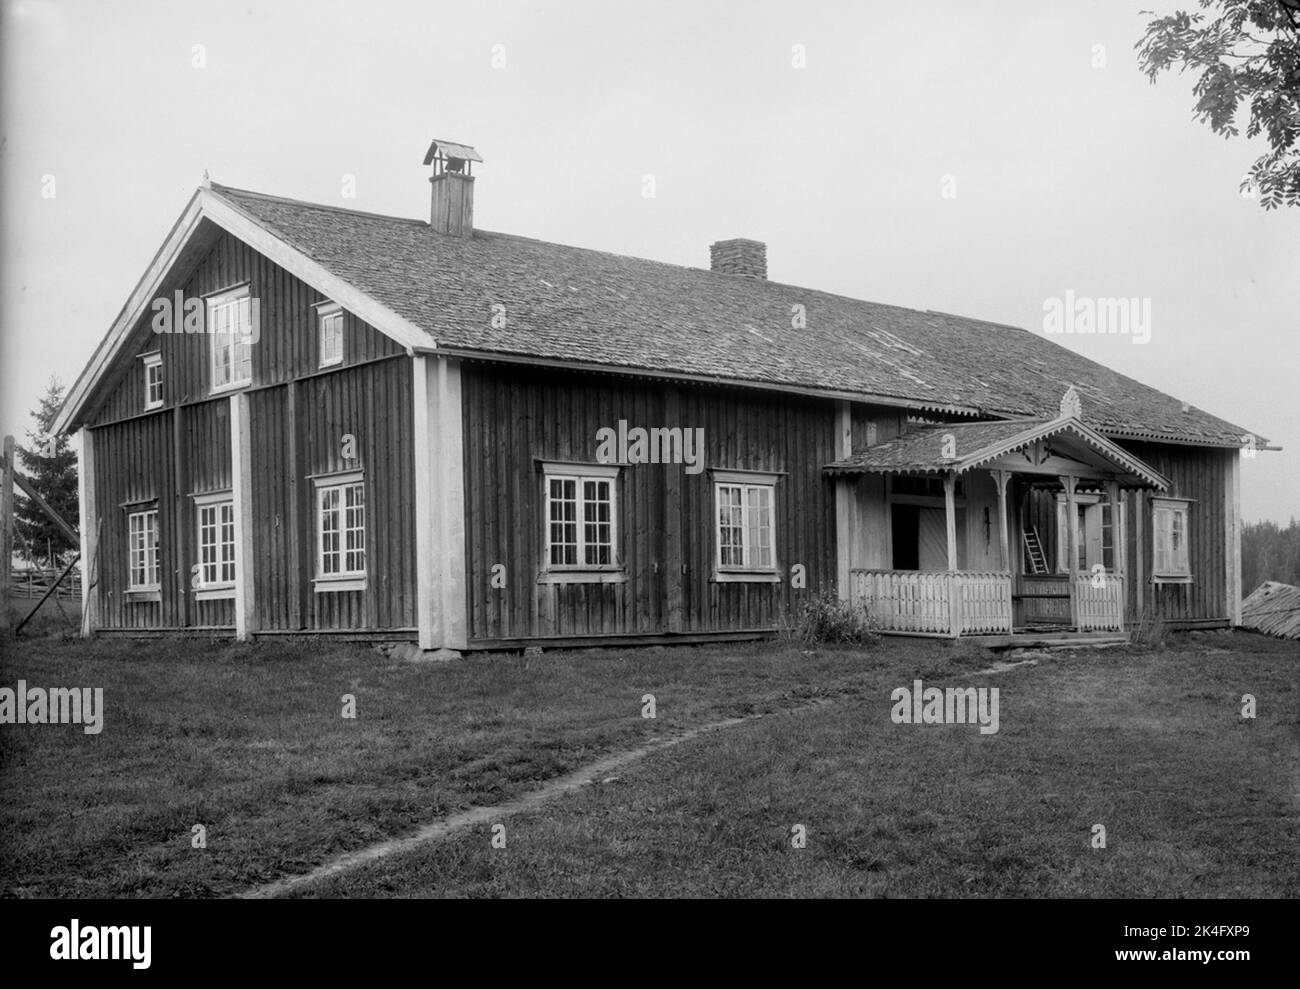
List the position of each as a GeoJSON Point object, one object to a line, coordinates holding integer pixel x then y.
{"type": "Point", "coordinates": [827, 619]}
{"type": "Point", "coordinates": [1150, 632]}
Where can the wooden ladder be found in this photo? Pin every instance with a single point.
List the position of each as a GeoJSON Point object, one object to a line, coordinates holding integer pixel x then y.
{"type": "Point", "coordinates": [1034, 547]}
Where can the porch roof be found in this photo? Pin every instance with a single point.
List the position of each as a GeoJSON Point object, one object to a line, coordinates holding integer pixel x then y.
{"type": "Point", "coordinates": [989, 444]}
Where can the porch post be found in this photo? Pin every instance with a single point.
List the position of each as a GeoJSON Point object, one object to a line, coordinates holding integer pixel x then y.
{"type": "Point", "coordinates": [950, 517]}
{"type": "Point", "coordinates": [1119, 537]}
{"type": "Point", "coordinates": [1000, 478]}
{"type": "Point", "coordinates": [1072, 545]}
{"type": "Point", "coordinates": [845, 489]}
{"type": "Point", "coordinates": [1121, 529]}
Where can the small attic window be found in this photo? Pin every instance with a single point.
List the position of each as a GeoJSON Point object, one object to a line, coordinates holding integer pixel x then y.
{"type": "Point", "coordinates": [153, 381]}
{"type": "Point", "coordinates": [330, 319]}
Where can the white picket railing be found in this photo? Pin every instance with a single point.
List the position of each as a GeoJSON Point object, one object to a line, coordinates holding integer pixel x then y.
{"type": "Point", "coordinates": [1100, 602]}
{"type": "Point", "coordinates": [935, 602]}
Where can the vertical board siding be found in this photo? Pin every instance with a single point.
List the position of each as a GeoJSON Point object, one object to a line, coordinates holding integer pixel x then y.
{"type": "Point", "coordinates": [791, 436]}
{"type": "Point", "coordinates": [185, 449]}
{"type": "Point", "coordinates": [372, 404]}
{"type": "Point", "coordinates": [288, 346]}
{"type": "Point", "coordinates": [133, 465]}
{"type": "Point", "coordinates": [1199, 473]}
{"type": "Point", "coordinates": [516, 418]}
{"type": "Point", "coordinates": [207, 466]}
{"type": "Point", "coordinates": [271, 476]}
{"type": "Point", "coordinates": [137, 462]}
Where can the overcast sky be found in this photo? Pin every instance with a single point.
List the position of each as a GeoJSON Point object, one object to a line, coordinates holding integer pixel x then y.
{"type": "Point", "coordinates": [1071, 172]}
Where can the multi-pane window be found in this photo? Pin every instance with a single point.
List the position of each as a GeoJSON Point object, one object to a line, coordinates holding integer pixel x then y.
{"type": "Point", "coordinates": [230, 328]}
{"type": "Point", "coordinates": [142, 550]}
{"type": "Point", "coordinates": [1095, 523]}
{"type": "Point", "coordinates": [580, 519]}
{"type": "Point", "coordinates": [1169, 531]}
{"type": "Point", "coordinates": [746, 530]}
{"type": "Point", "coordinates": [331, 335]}
{"type": "Point", "coordinates": [341, 528]}
{"type": "Point", "coordinates": [216, 517]}
{"type": "Point", "coordinates": [153, 381]}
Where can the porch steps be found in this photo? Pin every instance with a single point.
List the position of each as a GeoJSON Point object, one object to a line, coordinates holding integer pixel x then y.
{"type": "Point", "coordinates": [1034, 547]}
{"type": "Point", "coordinates": [1049, 640]}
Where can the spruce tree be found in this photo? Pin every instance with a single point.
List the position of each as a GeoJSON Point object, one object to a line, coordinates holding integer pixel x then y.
{"type": "Point", "coordinates": [50, 466]}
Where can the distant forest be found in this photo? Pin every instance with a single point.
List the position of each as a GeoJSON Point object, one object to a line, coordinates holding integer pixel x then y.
{"type": "Point", "coordinates": [1269, 552]}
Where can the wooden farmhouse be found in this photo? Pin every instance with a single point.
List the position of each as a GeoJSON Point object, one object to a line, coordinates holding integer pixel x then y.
{"type": "Point", "coordinates": [312, 420]}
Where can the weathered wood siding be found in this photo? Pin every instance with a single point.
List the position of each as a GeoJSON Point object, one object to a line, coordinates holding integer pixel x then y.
{"type": "Point", "coordinates": [299, 432]}
{"type": "Point", "coordinates": [517, 418]}
{"type": "Point", "coordinates": [133, 471]}
{"type": "Point", "coordinates": [299, 415]}
{"type": "Point", "coordinates": [1201, 474]}
{"type": "Point", "coordinates": [288, 346]}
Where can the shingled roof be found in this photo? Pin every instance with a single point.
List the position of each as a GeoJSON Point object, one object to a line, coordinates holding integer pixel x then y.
{"type": "Point", "coordinates": [575, 305]}
{"type": "Point", "coordinates": [1274, 608]}
{"type": "Point", "coordinates": [974, 444]}
{"type": "Point", "coordinates": [919, 449]}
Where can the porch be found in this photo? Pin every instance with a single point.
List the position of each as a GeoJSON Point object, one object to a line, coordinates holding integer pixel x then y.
{"type": "Point", "coordinates": [950, 603]}
{"type": "Point", "coordinates": [945, 531]}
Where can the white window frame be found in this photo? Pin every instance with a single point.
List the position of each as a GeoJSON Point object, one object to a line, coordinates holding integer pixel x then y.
{"type": "Point", "coordinates": [581, 571]}
{"type": "Point", "coordinates": [152, 364]}
{"type": "Point", "coordinates": [1177, 564]}
{"type": "Point", "coordinates": [749, 569]}
{"type": "Point", "coordinates": [205, 589]}
{"type": "Point", "coordinates": [329, 315]}
{"type": "Point", "coordinates": [343, 579]}
{"type": "Point", "coordinates": [1090, 502]}
{"type": "Point", "coordinates": [150, 568]}
{"type": "Point", "coordinates": [216, 309]}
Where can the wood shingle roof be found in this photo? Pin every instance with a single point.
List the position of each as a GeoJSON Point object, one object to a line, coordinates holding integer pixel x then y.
{"type": "Point", "coordinates": [571, 304]}
{"type": "Point", "coordinates": [1273, 608]}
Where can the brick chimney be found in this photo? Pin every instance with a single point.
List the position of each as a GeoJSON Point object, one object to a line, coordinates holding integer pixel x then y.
{"type": "Point", "coordinates": [451, 208]}
{"type": "Point", "coordinates": [746, 258]}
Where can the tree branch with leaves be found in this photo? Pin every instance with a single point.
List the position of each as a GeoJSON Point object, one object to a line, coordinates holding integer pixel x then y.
{"type": "Point", "coordinates": [1247, 52]}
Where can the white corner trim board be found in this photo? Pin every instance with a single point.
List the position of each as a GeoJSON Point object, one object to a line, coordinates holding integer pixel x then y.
{"type": "Point", "coordinates": [241, 476]}
{"type": "Point", "coordinates": [440, 578]}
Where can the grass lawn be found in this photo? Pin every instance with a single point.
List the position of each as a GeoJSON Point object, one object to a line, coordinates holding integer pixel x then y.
{"type": "Point", "coordinates": [1196, 801]}
{"type": "Point", "coordinates": [249, 742]}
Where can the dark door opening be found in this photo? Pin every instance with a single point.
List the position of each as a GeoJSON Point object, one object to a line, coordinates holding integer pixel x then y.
{"type": "Point", "coordinates": [905, 528]}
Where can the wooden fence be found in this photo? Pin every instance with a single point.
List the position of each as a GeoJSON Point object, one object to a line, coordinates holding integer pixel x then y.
{"type": "Point", "coordinates": [935, 602]}
{"type": "Point", "coordinates": [34, 584]}
{"type": "Point", "coordinates": [1100, 602]}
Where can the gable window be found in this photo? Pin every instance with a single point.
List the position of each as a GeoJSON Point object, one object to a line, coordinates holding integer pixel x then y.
{"type": "Point", "coordinates": [153, 381]}
{"type": "Point", "coordinates": [230, 330]}
{"type": "Point", "coordinates": [745, 525]}
{"type": "Point", "coordinates": [330, 318]}
{"type": "Point", "coordinates": [341, 532]}
{"type": "Point", "coordinates": [1171, 559]}
{"type": "Point", "coordinates": [581, 519]}
{"type": "Point", "coordinates": [142, 550]}
{"type": "Point", "coordinates": [216, 566]}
